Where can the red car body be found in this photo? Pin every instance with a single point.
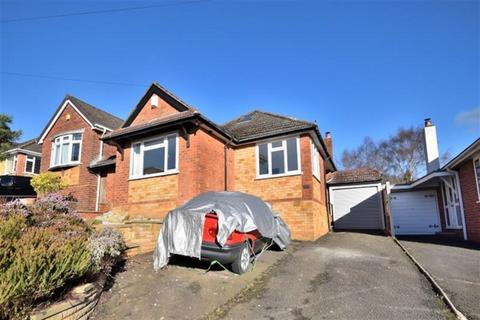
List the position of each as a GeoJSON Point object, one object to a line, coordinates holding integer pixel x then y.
{"type": "Point", "coordinates": [228, 253]}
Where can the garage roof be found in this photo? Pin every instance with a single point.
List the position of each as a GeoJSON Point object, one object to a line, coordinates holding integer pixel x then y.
{"type": "Point", "coordinates": [359, 175]}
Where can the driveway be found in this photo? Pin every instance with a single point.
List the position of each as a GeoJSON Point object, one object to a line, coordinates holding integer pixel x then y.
{"type": "Point", "coordinates": [454, 265]}
{"type": "Point", "coordinates": [340, 276]}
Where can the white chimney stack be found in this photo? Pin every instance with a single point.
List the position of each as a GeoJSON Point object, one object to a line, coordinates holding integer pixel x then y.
{"type": "Point", "coordinates": [431, 146]}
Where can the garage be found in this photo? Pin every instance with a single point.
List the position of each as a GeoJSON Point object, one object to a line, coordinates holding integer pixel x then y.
{"type": "Point", "coordinates": [415, 212]}
{"type": "Point", "coordinates": [356, 198]}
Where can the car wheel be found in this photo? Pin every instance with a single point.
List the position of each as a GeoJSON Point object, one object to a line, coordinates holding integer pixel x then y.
{"type": "Point", "coordinates": [243, 261]}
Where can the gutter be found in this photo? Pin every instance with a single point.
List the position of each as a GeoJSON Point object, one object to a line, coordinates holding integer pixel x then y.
{"type": "Point", "coordinates": [97, 200]}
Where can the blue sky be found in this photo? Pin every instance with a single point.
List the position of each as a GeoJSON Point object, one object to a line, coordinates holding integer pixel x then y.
{"type": "Point", "coordinates": [359, 68]}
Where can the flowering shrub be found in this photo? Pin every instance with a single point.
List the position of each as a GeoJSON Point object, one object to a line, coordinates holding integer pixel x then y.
{"type": "Point", "coordinates": [44, 247]}
{"type": "Point", "coordinates": [106, 248]}
{"type": "Point", "coordinates": [47, 182]}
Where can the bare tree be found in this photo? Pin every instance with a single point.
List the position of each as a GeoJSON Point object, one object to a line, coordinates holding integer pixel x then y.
{"type": "Point", "coordinates": [401, 157]}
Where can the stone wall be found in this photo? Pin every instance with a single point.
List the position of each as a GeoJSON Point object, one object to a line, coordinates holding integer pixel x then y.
{"type": "Point", "coordinates": [79, 305]}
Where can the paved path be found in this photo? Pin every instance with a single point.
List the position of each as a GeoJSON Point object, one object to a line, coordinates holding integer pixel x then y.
{"type": "Point", "coordinates": [344, 276]}
{"type": "Point", "coordinates": [340, 276]}
{"type": "Point", "coordinates": [455, 268]}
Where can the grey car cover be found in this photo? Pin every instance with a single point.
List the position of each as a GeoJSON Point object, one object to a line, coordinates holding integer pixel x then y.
{"type": "Point", "coordinates": [182, 229]}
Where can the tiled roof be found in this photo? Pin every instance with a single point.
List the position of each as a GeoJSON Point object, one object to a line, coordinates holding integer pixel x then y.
{"type": "Point", "coordinates": [354, 176]}
{"type": "Point", "coordinates": [150, 124]}
{"type": "Point", "coordinates": [102, 162]}
{"type": "Point", "coordinates": [259, 124]}
{"type": "Point", "coordinates": [30, 145]}
{"type": "Point", "coordinates": [95, 115]}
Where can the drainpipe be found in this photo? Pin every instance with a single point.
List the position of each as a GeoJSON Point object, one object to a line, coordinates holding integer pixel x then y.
{"type": "Point", "coordinates": [460, 198]}
{"type": "Point", "coordinates": [98, 175]}
{"type": "Point", "coordinates": [225, 148]}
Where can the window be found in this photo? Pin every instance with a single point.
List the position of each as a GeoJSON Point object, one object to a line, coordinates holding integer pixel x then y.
{"type": "Point", "coordinates": [66, 149]}
{"type": "Point", "coordinates": [315, 162]}
{"type": "Point", "coordinates": [11, 164]}
{"type": "Point", "coordinates": [154, 157]}
{"type": "Point", "coordinates": [280, 157]}
{"type": "Point", "coordinates": [476, 165]}
{"type": "Point", "coordinates": [32, 164]}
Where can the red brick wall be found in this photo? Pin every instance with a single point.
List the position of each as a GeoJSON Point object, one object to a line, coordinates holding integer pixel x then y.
{"type": "Point", "coordinates": [148, 113]}
{"type": "Point", "coordinates": [82, 183]}
{"type": "Point", "coordinates": [471, 203]}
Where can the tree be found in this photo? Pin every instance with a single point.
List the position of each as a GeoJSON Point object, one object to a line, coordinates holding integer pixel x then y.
{"type": "Point", "coordinates": [401, 157]}
{"type": "Point", "coordinates": [8, 137]}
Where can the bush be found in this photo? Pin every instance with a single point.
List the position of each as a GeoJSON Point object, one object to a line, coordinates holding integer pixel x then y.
{"type": "Point", "coordinates": [44, 248]}
{"type": "Point", "coordinates": [106, 248]}
{"type": "Point", "coordinates": [47, 182]}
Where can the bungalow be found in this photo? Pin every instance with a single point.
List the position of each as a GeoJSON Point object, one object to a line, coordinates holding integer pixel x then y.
{"type": "Point", "coordinates": [72, 147]}
{"type": "Point", "coordinates": [168, 152]}
{"type": "Point", "coordinates": [446, 200]}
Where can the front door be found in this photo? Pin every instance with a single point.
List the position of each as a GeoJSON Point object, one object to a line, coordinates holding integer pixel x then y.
{"type": "Point", "coordinates": [451, 202]}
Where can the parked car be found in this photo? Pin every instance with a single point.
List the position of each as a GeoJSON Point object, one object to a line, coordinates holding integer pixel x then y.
{"type": "Point", "coordinates": [13, 187]}
{"type": "Point", "coordinates": [239, 249]}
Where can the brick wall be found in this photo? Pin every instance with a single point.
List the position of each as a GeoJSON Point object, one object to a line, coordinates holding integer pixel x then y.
{"type": "Point", "coordinates": [82, 183]}
{"type": "Point", "coordinates": [471, 202]}
{"type": "Point", "coordinates": [299, 199]}
{"type": "Point", "coordinates": [148, 113]}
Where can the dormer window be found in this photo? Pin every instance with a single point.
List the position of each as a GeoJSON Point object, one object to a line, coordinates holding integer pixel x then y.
{"type": "Point", "coordinates": [66, 150]}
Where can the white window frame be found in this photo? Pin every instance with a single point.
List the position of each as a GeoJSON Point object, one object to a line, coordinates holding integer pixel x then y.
{"type": "Point", "coordinates": [33, 160]}
{"type": "Point", "coordinates": [477, 178]}
{"type": "Point", "coordinates": [143, 148]}
{"type": "Point", "coordinates": [315, 162]}
{"type": "Point", "coordinates": [70, 147]}
{"type": "Point", "coordinates": [271, 149]}
{"type": "Point", "coordinates": [13, 160]}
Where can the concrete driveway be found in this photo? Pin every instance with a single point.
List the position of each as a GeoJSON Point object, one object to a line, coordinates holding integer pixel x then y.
{"type": "Point", "coordinates": [340, 276]}
{"type": "Point", "coordinates": [454, 265]}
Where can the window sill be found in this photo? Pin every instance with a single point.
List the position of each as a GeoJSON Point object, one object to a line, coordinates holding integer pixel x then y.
{"type": "Point", "coordinates": [64, 166]}
{"type": "Point", "coordinates": [154, 175]}
{"type": "Point", "coordinates": [279, 175]}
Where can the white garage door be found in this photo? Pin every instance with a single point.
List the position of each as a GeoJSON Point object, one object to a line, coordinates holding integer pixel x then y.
{"type": "Point", "coordinates": [415, 212]}
{"type": "Point", "coordinates": [357, 207]}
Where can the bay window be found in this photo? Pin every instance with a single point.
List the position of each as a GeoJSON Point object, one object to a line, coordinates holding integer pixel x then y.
{"type": "Point", "coordinates": [276, 158]}
{"type": "Point", "coordinates": [154, 157]}
{"type": "Point", "coordinates": [66, 149]}
{"type": "Point", "coordinates": [315, 162]}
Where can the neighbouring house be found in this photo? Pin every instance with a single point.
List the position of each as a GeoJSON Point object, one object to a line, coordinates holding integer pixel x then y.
{"type": "Point", "coordinates": [357, 199]}
{"type": "Point", "coordinates": [466, 168]}
{"type": "Point", "coordinates": [23, 159]}
{"type": "Point", "coordinates": [21, 163]}
{"type": "Point", "coordinates": [446, 200]}
{"type": "Point", "coordinates": [168, 152]}
{"type": "Point", "coordinates": [72, 147]}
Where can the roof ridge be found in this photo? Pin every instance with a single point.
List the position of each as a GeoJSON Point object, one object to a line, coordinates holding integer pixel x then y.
{"type": "Point", "coordinates": [175, 96]}
{"type": "Point", "coordinates": [69, 96]}
{"type": "Point", "coordinates": [284, 117]}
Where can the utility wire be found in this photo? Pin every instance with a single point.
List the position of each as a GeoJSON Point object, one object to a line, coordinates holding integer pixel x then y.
{"type": "Point", "coordinates": [105, 11]}
{"type": "Point", "coordinates": [72, 79]}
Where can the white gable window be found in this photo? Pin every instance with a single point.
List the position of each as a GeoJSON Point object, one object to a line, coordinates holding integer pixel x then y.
{"type": "Point", "coordinates": [154, 157]}
{"type": "Point", "coordinates": [476, 165]}
{"type": "Point", "coordinates": [315, 162]}
{"type": "Point", "coordinates": [32, 164]}
{"type": "Point", "coordinates": [66, 150]}
{"type": "Point", "coordinates": [277, 158]}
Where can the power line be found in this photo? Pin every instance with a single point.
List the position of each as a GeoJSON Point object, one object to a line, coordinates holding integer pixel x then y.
{"type": "Point", "coordinates": [105, 11]}
{"type": "Point", "coordinates": [73, 79]}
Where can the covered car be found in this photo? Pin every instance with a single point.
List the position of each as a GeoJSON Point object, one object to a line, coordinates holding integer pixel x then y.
{"type": "Point", "coordinates": [230, 227]}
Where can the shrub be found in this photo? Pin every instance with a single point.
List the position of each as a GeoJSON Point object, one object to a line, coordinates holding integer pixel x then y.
{"type": "Point", "coordinates": [106, 248]}
{"type": "Point", "coordinates": [47, 182]}
{"type": "Point", "coordinates": [44, 248]}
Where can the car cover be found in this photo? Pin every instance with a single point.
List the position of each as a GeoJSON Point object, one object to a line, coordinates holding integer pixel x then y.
{"type": "Point", "coordinates": [182, 228]}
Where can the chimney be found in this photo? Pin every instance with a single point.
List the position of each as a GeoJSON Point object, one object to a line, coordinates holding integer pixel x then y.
{"type": "Point", "coordinates": [431, 146]}
{"type": "Point", "coordinates": [328, 143]}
